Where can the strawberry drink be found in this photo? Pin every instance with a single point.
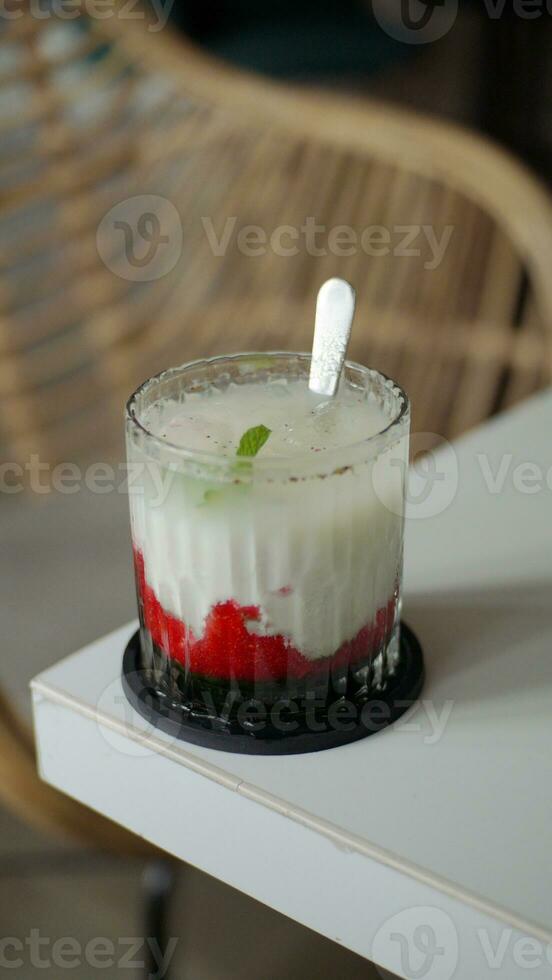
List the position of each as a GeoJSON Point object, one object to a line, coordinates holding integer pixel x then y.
{"type": "Point", "coordinates": [267, 528]}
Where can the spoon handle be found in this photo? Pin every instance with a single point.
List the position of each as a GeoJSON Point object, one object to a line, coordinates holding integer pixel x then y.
{"type": "Point", "coordinates": [335, 307]}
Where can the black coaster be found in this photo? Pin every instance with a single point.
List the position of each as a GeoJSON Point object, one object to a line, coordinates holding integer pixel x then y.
{"type": "Point", "coordinates": [283, 727]}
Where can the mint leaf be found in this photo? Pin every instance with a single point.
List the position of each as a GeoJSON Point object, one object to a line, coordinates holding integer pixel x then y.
{"type": "Point", "coordinates": [211, 495]}
{"type": "Point", "coordinates": [253, 440]}
{"type": "Point", "coordinates": [250, 443]}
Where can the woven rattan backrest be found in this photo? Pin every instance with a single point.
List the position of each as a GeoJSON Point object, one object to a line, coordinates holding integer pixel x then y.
{"type": "Point", "coordinates": [447, 242]}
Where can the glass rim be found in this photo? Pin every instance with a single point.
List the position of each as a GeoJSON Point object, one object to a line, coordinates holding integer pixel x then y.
{"type": "Point", "coordinates": [375, 442]}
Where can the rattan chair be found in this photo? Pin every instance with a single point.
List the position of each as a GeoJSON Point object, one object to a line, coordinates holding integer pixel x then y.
{"type": "Point", "coordinates": [96, 112]}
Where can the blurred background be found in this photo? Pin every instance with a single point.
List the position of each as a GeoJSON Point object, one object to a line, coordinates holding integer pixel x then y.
{"type": "Point", "coordinates": [177, 180]}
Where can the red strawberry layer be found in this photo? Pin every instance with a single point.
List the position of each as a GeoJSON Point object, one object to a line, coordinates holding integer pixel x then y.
{"type": "Point", "coordinates": [227, 649]}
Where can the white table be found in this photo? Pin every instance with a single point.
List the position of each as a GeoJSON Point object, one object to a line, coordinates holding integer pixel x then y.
{"type": "Point", "coordinates": [443, 821]}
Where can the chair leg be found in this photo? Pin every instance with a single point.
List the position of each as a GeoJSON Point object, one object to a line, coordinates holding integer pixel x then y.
{"type": "Point", "coordinates": [158, 881]}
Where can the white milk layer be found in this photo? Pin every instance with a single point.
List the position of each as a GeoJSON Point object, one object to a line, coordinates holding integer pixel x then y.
{"type": "Point", "coordinates": [318, 556]}
{"type": "Point", "coordinates": [300, 422]}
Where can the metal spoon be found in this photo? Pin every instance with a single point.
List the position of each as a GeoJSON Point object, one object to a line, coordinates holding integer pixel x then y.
{"type": "Point", "coordinates": [335, 308]}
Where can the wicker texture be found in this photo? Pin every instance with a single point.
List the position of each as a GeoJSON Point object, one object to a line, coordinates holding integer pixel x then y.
{"type": "Point", "coordinates": [103, 110]}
